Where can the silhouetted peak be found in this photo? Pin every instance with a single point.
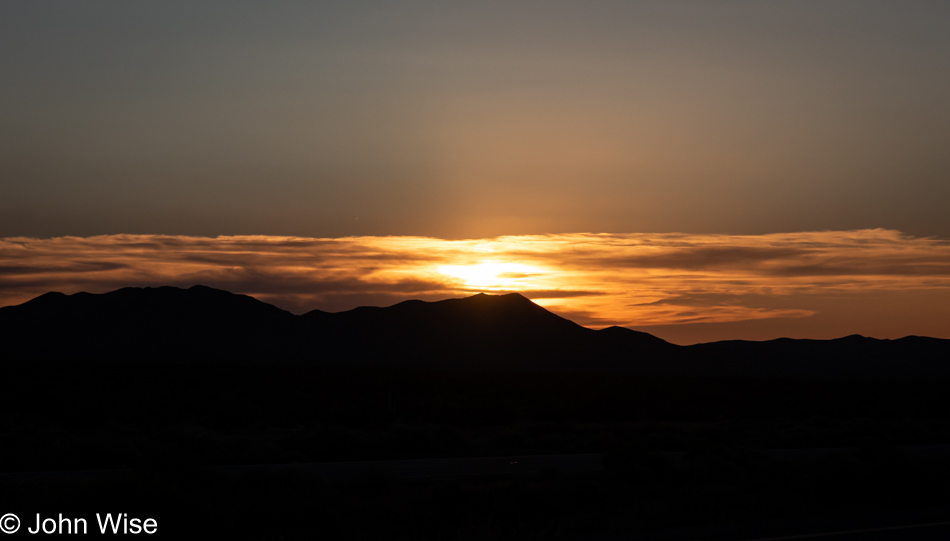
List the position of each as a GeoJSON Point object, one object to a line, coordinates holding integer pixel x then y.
{"type": "Point", "coordinates": [504, 297]}
{"type": "Point", "coordinates": [484, 317]}
{"type": "Point", "coordinates": [511, 303]}
{"type": "Point", "coordinates": [614, 329]}
{"type": "Point", "coordinates": [615, 332]}
{"type": "Point", "coordinates": [479, 301]}
{"type": "Point", "coordinates": [44, 301]}
{"type": "Point", "coordinates": [51, 297]}
{"type": "Point", "coordinates": [199, 287]}
{"type": "Point", "coordinates": [854, 338]}
{"type": "Point", "coordinates": [193, 291]}
{"type": "Point", "coordinates": [502, 302]}
{"type": "Point", "coordinates": [150, 303]}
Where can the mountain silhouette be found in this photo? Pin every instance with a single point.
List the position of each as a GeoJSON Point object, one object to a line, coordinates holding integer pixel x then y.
{"type": "Point", "coordinates": [474, 318]}
{"type": "Point", "coordinates": [144, 323]}
{"type": "Point", "coordinates": [481, 332]}
{"type": "Point", "coordinates": [478, 331]}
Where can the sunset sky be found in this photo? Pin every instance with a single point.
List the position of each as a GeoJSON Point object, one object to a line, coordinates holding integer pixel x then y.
{"type": "Point", "coordinates": [698, 170]}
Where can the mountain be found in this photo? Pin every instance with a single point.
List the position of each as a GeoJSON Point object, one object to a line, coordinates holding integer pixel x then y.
{"type": "Point", "coordinates": [481, 333]}
{"type": "Point", "coordinates": [911, 357]}
{"type": "Point", "coordinates": [144, 323]}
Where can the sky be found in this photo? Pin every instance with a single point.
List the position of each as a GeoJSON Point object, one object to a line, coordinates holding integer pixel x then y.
{"type": "Point", "coordinates": [725, 128]}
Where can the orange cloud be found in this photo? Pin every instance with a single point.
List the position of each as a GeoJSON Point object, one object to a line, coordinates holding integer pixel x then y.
{"type": "Point", "coordinates": [634, 280]}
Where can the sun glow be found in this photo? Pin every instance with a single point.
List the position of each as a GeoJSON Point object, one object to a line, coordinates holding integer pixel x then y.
{"type": "Point", "coordinates": [596, 279]}
{"type": "Point", "coordinates": [492, 274]}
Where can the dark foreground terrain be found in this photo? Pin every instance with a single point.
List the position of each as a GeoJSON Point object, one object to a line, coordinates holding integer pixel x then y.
{"type": "Point", "coordinates": [265, 448]}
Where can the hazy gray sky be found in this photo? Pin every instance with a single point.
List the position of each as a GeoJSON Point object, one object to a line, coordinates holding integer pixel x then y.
{"type": "Point", "coordinates": [473, 119]}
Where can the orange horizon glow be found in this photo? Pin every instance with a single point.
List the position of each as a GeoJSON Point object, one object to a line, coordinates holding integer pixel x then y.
{"type": "Point", "coordinates": [809, 284]}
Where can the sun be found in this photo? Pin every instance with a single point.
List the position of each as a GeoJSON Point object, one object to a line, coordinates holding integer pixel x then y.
{"type": "Point", "coordinates": [491, 274]}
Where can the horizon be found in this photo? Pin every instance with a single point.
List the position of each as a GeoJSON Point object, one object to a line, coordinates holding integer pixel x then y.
{"type": "Point", "coordinates": [683, 288]}
{"type": "Point", "coordinates": [480, 294]}
{"type": "Point", "coordinates": [743, 170]}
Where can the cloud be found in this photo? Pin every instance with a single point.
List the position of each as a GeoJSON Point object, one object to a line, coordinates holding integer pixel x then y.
{"type": "Point", "coordinates": [75, 268]}
{"type": "Point", "coordinates": [601, 279]}
{"type": "Point", "coordinates": [707, 258]}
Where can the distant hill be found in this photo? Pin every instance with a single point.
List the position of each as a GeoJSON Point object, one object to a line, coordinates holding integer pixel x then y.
{"type": "Point", "coordinates": [145, 323]}
{"type": "Point", "coordinates": [481, 333]}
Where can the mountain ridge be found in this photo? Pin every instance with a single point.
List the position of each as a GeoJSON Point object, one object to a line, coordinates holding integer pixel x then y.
{"type": "Point", "coordinates": [481, 332]}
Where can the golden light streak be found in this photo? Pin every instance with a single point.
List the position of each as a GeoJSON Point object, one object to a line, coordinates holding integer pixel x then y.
{"type": "Point", "coordinates": [493, 275]}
